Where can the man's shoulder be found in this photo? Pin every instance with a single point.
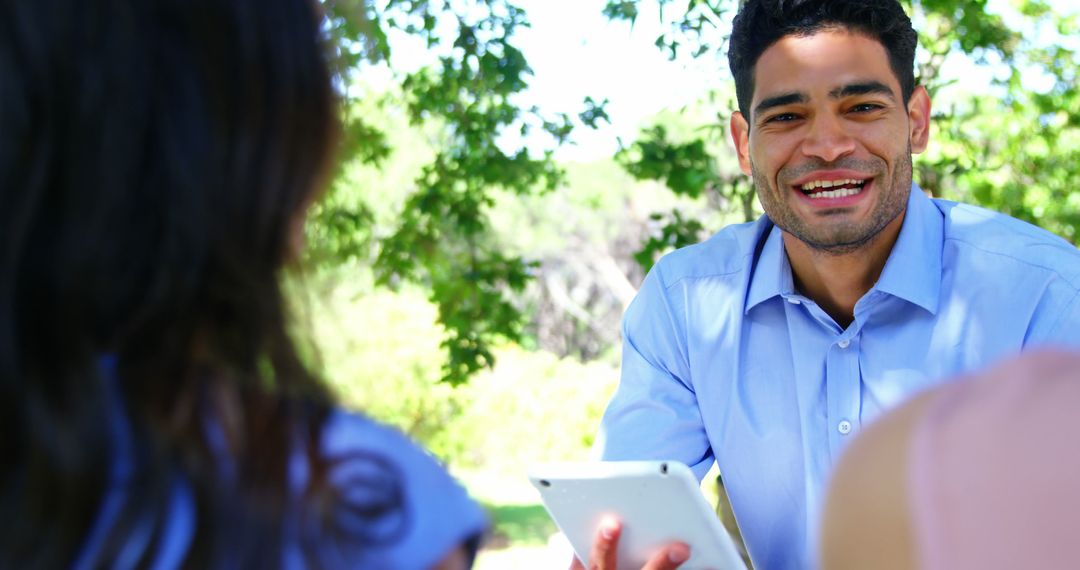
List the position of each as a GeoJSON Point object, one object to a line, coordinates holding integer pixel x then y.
{"type": "Point", "coordinates": [728, 252]}
{"type": "Point", "coordinates": [973, 228]}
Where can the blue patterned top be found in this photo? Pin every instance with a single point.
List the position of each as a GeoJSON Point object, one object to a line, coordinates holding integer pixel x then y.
{"type": "Point", "coordinates": [366, 462]}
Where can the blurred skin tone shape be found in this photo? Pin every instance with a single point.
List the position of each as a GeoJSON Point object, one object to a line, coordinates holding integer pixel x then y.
{"type": "Point", "coordinates": [978, 473]}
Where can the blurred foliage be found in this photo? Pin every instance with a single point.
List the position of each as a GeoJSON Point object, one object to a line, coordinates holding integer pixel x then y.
{"type": "Point", "coordinates": [465, 97]}
{"type": "Point", "coordinates": [695, 26]}
{"type": "Point", "coordinates": [1019, 152]}
{"type": "Point", "coordinates": [685, 168]}
{"type": "Point", "coordinates": [676, 231]}
{"type": "Point", "coordinates": [381, 354]}
{"type": "Point", "coordinates": [690, 166]}
{"type": "Point", "coordinates": [583, 238]}
{"type": "Point", "coordinates": [1014, 150]}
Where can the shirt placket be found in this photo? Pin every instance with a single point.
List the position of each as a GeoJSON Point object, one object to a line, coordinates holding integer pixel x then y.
{"type": "Point", "coordinates": [843, 389]}
{"type": "Point", "coordinates": [843, 380]}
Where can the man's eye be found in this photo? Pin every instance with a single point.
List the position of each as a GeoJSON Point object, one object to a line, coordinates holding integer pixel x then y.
{"type": "Point", "coordinates": [865, 108]}
{"type": "Point", "coordinates": [782, 118]}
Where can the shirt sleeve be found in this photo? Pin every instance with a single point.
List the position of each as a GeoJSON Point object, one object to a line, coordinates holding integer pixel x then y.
{"type": "Point", "coordinates": [654, 413]}
{"type": "Point", "coordinates": [1056, 324]}
{"type": "Point", "coordinates": [423, 513]}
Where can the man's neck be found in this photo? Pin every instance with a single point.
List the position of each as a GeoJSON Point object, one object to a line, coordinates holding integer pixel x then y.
{"type": "Point", "coordinates": [836, 282]}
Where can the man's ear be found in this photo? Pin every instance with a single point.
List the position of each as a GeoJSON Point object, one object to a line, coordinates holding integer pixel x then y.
{"type": "Point", "coordinates": [740, 135]}
{"type": "Point", "coordinates": [919, 119]}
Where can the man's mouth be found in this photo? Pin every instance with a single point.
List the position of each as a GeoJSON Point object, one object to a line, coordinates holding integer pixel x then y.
{"type": "Point", "coordinates": [818, 189]}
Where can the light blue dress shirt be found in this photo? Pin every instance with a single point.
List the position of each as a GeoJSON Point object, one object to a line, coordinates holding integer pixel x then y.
{"type": "Point", "coordinates": [723, 359]}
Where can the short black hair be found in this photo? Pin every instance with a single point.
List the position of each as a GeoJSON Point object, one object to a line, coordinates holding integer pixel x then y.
{"type": "Point", "coordinates": [761, 23]}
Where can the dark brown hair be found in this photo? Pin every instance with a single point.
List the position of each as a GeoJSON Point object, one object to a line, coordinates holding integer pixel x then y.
{"type": "Point", "coordinates": [761, 23]}
{"type": "Point", "coordinates": [154, 158]}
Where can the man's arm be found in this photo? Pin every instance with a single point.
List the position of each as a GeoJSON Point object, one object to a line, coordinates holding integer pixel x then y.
{"type": "Point", "coordinates": [654, 413]}
{"type": "Point", "coordinates": [1056, 323]}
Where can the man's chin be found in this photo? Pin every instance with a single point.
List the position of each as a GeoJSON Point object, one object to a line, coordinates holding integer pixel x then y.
{"type": "Point", "coordinates": [837, 244]}
{"type": "Point", "coordinates": [842, 248]}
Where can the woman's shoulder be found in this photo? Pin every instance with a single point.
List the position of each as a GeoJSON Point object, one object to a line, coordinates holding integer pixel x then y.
{"type": "Point", "coordinates": [346, 432]}
{"type": "Point", "coordinates": [395, 505]}
{"type": "Point", "coordinates": [944, 475]}
{"type": "Point", "coordinates": [995, 454]}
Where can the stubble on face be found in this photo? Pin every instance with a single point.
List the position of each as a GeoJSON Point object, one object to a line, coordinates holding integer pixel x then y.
{"type": "Point", "coordinates": [840, 236]}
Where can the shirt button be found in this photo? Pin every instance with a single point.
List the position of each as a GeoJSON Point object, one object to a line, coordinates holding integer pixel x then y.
{"type": "Point", "coordinates": [844, 343]}
{"type": "Point", "coordinates": [844, 427]}
{"type": "Point", "coordinates": [794, 301]}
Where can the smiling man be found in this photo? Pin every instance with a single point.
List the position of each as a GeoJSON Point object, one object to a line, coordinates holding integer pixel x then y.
{"type": "Point", "coordinates": [829, 145]}
{"type": "Point", "coordinates": [767, 347]}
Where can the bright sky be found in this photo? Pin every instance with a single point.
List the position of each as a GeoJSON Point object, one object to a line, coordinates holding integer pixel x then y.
{"type": "Point", "coordinates": [575, 52]}
{"type": "Point", "coordinates": [578, 53]}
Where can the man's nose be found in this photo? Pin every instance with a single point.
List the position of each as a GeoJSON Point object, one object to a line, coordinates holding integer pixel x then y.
{"type": "Point", "coordinates": [827, 139]}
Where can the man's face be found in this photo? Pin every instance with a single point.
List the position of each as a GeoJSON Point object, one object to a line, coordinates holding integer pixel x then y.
{"type": "Point", "coordinates": [829, 140]}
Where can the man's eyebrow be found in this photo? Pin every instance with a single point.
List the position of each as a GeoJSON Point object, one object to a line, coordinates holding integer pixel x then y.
{"type": "Point", "coordinates": [779, 101]}
{"type": "Point", "coordinates": [862, 89]}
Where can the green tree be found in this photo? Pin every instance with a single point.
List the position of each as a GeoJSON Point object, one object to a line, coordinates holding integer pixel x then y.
{"type": "Point", "coordinates": [465, 99]}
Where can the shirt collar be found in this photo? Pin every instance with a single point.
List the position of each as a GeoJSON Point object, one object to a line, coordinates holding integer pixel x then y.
{"type": "Point", "coordinates": [772, 273]}
{"type": "Point", "coordinates": [912, 272]}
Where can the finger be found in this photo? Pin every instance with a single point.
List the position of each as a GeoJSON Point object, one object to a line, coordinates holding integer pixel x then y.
{"type": "Point", "coordinates": [605, 545]}
{"type": "Point", "coordinates": [576, 564]}
{"type": "Point", "coordinates": [668, 558]}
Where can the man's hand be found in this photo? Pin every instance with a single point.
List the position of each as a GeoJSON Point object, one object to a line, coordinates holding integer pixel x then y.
{"type": "Point", "coordinates": [606, 543]}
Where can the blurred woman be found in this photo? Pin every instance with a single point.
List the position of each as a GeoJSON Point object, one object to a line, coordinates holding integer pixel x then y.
{"type": "Point", "coordinates": [156, 162]}
{"type": "Point", "coordinates": [983, 473]}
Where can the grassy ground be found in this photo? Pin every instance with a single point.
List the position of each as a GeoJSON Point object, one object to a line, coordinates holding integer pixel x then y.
{"type": "Point", "coordinates": [523, 538]}
{"type": "Point", "coordinates": [522, 535]}
{"type": "Point", "coordinates": [520, 526]}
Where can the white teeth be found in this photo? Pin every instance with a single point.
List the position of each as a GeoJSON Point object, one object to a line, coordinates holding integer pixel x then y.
{"type": "Point", "coordinates": [829, 184]}
{"type": "Point", "coordinates": [842, 193]}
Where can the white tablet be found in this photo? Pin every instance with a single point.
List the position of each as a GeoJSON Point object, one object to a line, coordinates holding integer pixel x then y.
{"type": "Point", "coordinates": [657, 502]}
